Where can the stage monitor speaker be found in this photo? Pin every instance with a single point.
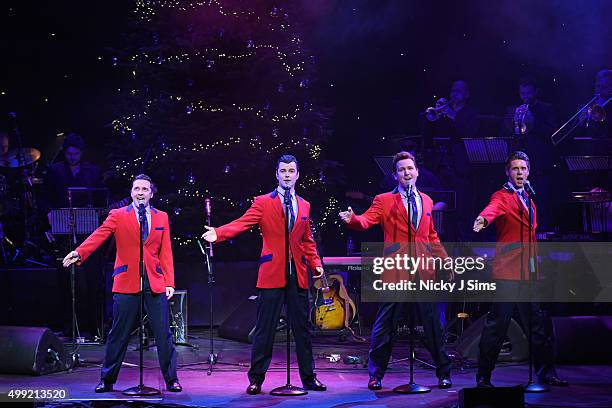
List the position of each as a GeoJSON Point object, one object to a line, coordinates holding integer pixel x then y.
{"type": "Point", "coordinates": [31, 351]}
{"type": "Point", "coordinates": [516, 349]}
{"type": "Point", "coordinates": [498, 397]}
{"type": "Point", "coordinates": [583, 339]}
{"type": "Point", "coordinates": [240, 324]}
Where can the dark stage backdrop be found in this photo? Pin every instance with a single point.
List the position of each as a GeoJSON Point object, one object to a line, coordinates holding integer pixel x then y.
{"type": "Point", "coordinates": [374, 66]}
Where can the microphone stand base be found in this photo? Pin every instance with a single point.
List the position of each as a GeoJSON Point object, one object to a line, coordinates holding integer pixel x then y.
{"type": "Point", "coordinates": [411, 388]}
{"type": "Point", "coordinates": [288, 391]}
{"type": "Point", "coordinates": [535, 388]}
{"type": "Point", "coordinates": [141, 391]}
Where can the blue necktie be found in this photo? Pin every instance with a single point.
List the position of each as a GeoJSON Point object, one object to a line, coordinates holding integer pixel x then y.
{"type": "Point", "coordinates": [414, 211]}
{"type": "Point", "coordinates": [292, 219]}
{"type": "Point", "coordinates": [145, 232]}
{"type": "Point", "coordinates": [525, 199]}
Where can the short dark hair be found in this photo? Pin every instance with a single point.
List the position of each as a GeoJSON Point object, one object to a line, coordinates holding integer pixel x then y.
{"type": "Point", "coordinates": [74, 140]}
{"type": "Point", "coordinates": [403, 156]}
{"type": "Point", "coordinates": [518, 155]}
{"type": "Point", "coordinates": [287, 158]}
{"type": "Point", "coordinates": [528, 80]}
{"type": "Point", "coordinates": [147, 178]}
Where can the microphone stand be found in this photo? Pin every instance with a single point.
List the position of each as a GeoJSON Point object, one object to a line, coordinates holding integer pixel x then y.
{"type": "Point", "coordinates": [141, 390]}
{"type": "Point", "coordinates": [531, 387]}
{"type": "Point", "coordinates": [411, 387]}
{"type": "Point", "coordinates": [213, 358]}
{"type": "Point", "coordinates": [288, 389]}
{"type": "Point", "coordinates": [75, 361]}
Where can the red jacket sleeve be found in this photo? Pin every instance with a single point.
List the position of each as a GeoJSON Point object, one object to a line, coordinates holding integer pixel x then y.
{"type": "Point", "coordinates": [494, 209]}
{"type": "Point", "coordinates": [310, 248]}
{"type": "Point", "coordinates": [97, 238]}
{"type": "Point", "coordinates": [251, 217]}
{"type": "Point", "coordinates": [165, 254]}
{"type": "Point", "coordinates": [371, 217]}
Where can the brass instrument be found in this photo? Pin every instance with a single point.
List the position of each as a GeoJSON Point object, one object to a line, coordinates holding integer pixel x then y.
{"type": "Point", "coordinates": [590, 112]}
{"type": "Point", "coordinates": [521, 126]}
{"type": "Point", "coordinates": [432, 114]}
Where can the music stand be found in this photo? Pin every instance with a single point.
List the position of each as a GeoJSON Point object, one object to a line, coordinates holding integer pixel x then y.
{"type": "Point", "coordinates": [586, 163]}
{"type": "Point", "coordinates": [486, 150]}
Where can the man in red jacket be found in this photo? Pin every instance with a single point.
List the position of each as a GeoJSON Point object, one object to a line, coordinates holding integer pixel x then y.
{"type": "Point", "coordinates": [511, 210]}
{"type": "Point", "coordinates": [158, 283]}
{"type": "Point", "coordinates": [268, 212]}
{"type": "Point", "coordinates": [393, 211]}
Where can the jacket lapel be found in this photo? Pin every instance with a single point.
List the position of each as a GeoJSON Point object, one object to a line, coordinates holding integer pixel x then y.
{"type": "Point", "coordinates": [133, 225]}
{"type": "Point", "coordinates": [154, 221]}
{"type": "Point", "coordinates": [522, 210]}
{"type": "Point", "coordinates": [399, 203]}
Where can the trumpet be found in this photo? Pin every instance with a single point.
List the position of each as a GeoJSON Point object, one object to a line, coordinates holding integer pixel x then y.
{"type": "Point", "coordinates": [432, 114]}
{"type": "Point", "coordinates": [590, 112]}
{"type": "Point", "coordinates": [595, 113]}
{"type": "Point", "coordinates": [521, 125]}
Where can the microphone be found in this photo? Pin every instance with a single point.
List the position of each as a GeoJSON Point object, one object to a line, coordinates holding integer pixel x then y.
{"type": "Point", "coordinates": [529, 188]}
{"type": "Point", "coordinates": [207, 208]}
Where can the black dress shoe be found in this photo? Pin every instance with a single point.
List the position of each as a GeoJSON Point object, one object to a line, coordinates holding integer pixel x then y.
{"type": "Point", "coordinates": [253, 388]}
{"type": "Point", "coordinates": [482, 382]}
{"type": "Point", "coordinates": [554, 381]}
{"type": "Point", "coordinates": [103, 387]}
{"type": "Point", "coordinates": [444, 383]}
{"type": "Point", "coordinates": [174, 386]}
{"type": "Point", "coordinates": [374, 384]}
{"type": "Point", "coordinates": [314, 385]}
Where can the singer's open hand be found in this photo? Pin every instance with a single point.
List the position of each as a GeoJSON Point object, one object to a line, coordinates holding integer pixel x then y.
{"type": "Point", "coordinates": [210, 235]}
{"type": "Point", "coordinates": [479, 224]}
{"type": "Point", "coordinates": [71, 258]}
{"type": "Point", "coordinates": [169, 291]}
{"type": "Point", "coordinates": [319, 273]}
{"type": "Point", "coordinates": [346, 216]}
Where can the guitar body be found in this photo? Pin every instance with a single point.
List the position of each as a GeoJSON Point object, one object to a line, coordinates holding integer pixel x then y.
{"type": "Point", "coordinates": [330, 314]}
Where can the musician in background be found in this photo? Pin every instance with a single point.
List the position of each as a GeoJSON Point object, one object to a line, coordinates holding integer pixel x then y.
{"type": "Point", "coordinates": [5, 142]}
{"type": "Point", "coordinates": [74, 172]}
{"type": "Point", "coordinates": [71, 172]}
{"type": "Point", "coordinates": [453, 120]}
{"type": "Point", "coordinates": [598, 122]}
{"type": "Point", "coordinates": [531, 124]}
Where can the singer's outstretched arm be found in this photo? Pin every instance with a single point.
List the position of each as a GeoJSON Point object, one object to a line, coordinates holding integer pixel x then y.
{"type": "Point", "coordinates": [251, 217]}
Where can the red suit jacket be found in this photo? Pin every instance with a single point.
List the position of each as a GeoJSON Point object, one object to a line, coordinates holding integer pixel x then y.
{"type": "Point", "coordinates": [159, 266]}
{"type": "Point", "coordinates": [511, 218]}
{"type": "Point", "coordinates": [267, 211]}
{"type": "Point", "coordinates": [389, 211]}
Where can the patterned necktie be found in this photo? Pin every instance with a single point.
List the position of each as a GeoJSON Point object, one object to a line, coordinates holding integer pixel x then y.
{"type": "Point", "coordinates": [145, 232]}
{"type": "Point", "coordinates": [292, 214]}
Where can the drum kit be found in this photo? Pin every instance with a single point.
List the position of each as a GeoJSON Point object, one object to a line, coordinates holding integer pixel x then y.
{"type": "Point", "coordinates": [17, 200]}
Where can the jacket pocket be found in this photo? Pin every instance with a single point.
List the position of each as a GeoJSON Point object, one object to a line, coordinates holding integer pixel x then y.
{"type": "Point", "coordinates": [120, 269]}
{"type": "Point", "coordinates": [265, 258]}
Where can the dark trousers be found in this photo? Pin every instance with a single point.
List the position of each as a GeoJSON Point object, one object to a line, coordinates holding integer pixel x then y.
{"type": "Point", "coordinates": [126, 309]}
{"type": "Point", "coordinates": [269, 305]}
{"type": "Point", "coordinates": [384, 334]}
{"type": "Point", "coordinates": [495, 329]}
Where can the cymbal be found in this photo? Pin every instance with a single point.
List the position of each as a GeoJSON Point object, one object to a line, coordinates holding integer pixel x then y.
{"type": "Point", "coordinates": [12, 158]}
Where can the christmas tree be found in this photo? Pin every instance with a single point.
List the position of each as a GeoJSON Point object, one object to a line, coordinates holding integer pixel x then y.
{"type": "Point", "coordinates": [210, 94]}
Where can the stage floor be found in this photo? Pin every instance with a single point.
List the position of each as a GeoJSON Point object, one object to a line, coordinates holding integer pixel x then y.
{"type": "Point", "coordinates": [591, 386]}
